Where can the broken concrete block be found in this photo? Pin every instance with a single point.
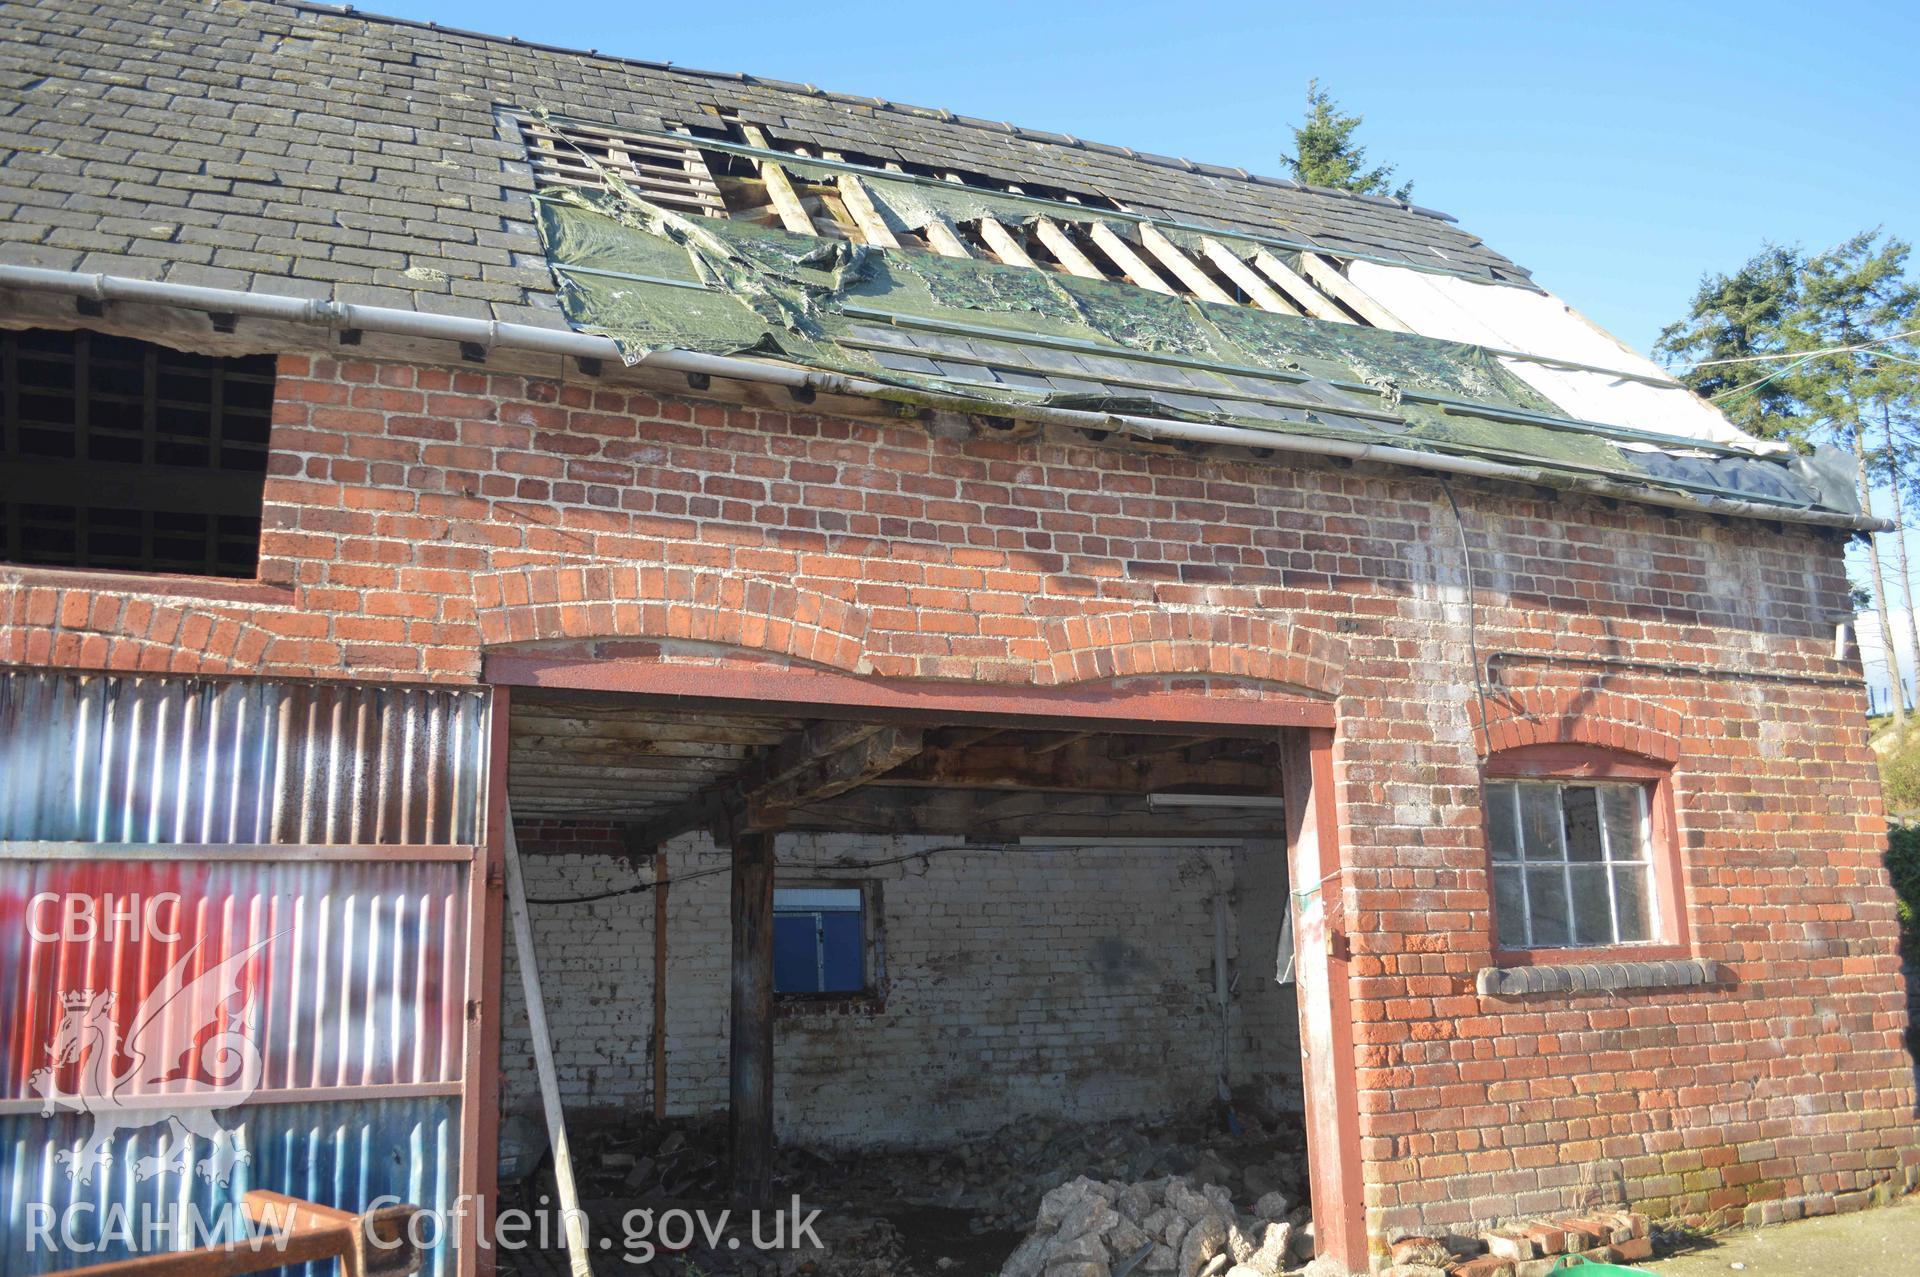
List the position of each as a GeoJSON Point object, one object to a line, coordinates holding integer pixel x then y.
{"type": "Point", "coordinates": [1270, 1206]}
{"type": "Point", "coordinates": [1243, 1270]}
{"type": "Point", "coordinates": [1270, 1257]}
{"type": "Point", "coordinates": [1207, 1238]}
{"type": "Point", "coordinates": [1028, 1259]}
{"type": "Point", "coordinates": [1239, 1245]}
{"type": "Point", "coordinates": [1055, 1205]}
{"type": "Point", "coordinates": [1066, 1250]}
{"type": "Point", "coordinates": [1080, 1268]}
{"type": "Point", "coordinates": [1216, 1266]}
{"type": "Point", "coordinates": [1126, 1237]}
{"type": "Point", "coordinates": [1090, 1215]}
{"type": "Point", "coordinates": [1192, 1204]}
{"type": "Point", "coordinates": [1161, 1259]}
{"type": "Point", "coordinates": [1462, 1247]}
{"type": "Point", "coordinates": [1325, 1266]}
{"type": "Point", "coordinates": [1413, 1270]}
{"type": "Point", "coordinates": [1134, 1201]}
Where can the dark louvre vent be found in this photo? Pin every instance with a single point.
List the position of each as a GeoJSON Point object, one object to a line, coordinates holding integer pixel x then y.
{"type": "Point", "coordinates": [124, 455]}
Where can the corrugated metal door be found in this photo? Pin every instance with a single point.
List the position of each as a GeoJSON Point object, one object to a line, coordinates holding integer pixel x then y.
{"type": "Point", "coordinates": [237, 934]}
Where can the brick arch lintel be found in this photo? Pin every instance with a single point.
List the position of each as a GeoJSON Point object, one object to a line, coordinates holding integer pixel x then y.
{"type": "Point", "coordinates": [649, 601]}
{"type": "Point", "coordinates": [80, 627]}
{"type": "Point", "coordinates": [1150, 641]}
{"type": "Point", "coordinates": [1523, 717]}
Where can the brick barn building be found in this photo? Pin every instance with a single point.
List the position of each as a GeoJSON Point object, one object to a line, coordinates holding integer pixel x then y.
{"type": "Point", "coordinates": [971, 624]}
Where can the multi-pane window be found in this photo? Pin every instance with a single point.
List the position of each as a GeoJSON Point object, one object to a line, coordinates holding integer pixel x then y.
{"type": "Point", "coordinates": [819, 940]}
{"type": "Point", "coordinates": [1571, 864]}
{"type": "Point", "coordinates": [122, 454]}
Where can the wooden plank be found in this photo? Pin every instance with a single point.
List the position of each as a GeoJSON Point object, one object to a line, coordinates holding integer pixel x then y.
{"type": "Point", "coordinates": [780, 763]}
{"type": "Point", "coordinates": [1326, 275]}
{"type": "Point", "coordinates": [1184, 268]}
{"type": "Point", "coordinates": [944, 239]}
{"type": "Point", "coordinates": [1064, 250]}
{"type": "Point", "coordinates": [571, 1218]}
{"type": "Point", "coordinates": [860, 207]}
{"type": "Point", "coordinates": [832, 776]}
{"type": "Point", "coordinates": [1128, 262]}
{"type": "Point", "coordinates": [1298, 289]}
{"type": "Point", "coordinates": [780, 190]}
{"type": "Point", "coordinates": [750, 1035]}
{"type": "Point", "coordinates": [1264, 295]}
{"type": "Point", "coordinates": [1005, 245]}
{"type": "Point", "coordinates": [1075, 767]}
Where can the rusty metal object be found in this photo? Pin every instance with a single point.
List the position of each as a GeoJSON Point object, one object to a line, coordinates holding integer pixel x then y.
{"type": "Point", "coordinates": [377, 1243]}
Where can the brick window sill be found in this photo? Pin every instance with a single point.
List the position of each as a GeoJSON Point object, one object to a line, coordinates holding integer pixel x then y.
{"type": "Point", "coordinates": [212, 589]}
{"type": "Point", "coordinates": [1596, 977]}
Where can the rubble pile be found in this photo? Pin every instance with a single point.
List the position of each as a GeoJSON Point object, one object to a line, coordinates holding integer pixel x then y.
{"type": "Point", "coordinates": [1532, 1248]}
{"type": "Point", "coordinates": [960, 1208]}
{"type": "Point", "coordinates": [1090, 1228]}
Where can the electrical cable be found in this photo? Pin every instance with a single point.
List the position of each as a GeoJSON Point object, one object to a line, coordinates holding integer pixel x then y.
{"type": "Point", "coordinates": [638, 888]}
{"type": "Point", "coordinates": [1796, 354]}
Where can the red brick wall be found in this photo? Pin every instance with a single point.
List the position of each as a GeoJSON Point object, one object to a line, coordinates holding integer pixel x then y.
{"type": "Point", "coordinates": [414, 516]}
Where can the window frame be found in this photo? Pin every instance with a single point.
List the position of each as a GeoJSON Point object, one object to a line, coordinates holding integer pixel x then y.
{"type": "Point", "coordinates": [1578, 764]}
{"type": "Point", "coordinates": [872, 966]}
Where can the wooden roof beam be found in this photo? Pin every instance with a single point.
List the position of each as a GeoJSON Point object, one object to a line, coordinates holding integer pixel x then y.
{"type": "Point", "coordinates": [1005, 244]}
{"type": "Point", "coordinates": [1129, 263]}
{"type": "Point", "coordinates": [1056, 240]}
{"type": "Point", "coordinates": [1297, 288]}
{"type": "Point", "coordinates": [1184, 268]}
{"type": "Point", "coordinates": [865, 214]}
{"type": "Point", "coordinates": [1078, 766]}
{"type": "Point", "coordinates": [772, 776]}
{"type": "Point", "coordinates": [1264, 295]}
{"type": "Point", "coordinates": [1326, 275]}
{"type": "Point", "coordinates": [786, 201]}
{"type": "Point", "coordinates": [944, 239]}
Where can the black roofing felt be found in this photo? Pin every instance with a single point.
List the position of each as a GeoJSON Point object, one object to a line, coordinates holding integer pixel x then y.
{"type": "Point", "coordinates": [300, 149]}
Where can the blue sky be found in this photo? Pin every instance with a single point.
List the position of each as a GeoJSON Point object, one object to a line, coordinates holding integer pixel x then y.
{"type": "Point", "coordinates": [1617, 150]}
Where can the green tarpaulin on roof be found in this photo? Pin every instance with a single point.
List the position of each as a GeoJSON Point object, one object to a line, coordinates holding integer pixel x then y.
{"type": "Point", "coordinates": [1006, 335]}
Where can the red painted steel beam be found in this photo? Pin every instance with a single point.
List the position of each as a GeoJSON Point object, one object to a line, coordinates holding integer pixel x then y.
{"type": "Point", "coordinates": [1328, 1067]}
{"type": "Point", "coordinates": [776, 690]}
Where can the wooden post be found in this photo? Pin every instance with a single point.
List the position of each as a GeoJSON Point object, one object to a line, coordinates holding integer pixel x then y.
{"type": "Point", "coordinates": [573, 1220]}
{"type": "Point", "coordinates": [750, 1038]}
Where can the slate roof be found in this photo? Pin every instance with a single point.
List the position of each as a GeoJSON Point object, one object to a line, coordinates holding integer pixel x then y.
{"type": "Point", "coordinates": [301, 149]}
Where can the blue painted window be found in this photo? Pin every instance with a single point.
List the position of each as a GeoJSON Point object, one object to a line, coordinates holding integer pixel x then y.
{"type": "Point", "coordinates": [819, 940]}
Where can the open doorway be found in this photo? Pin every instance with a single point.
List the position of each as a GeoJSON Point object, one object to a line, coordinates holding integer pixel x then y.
{"type": "Point", "coordinates": [1005, 954]}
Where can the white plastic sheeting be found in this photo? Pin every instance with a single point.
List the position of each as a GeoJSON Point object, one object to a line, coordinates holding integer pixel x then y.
{"type": "Point", "coordinates": [1509, 318]}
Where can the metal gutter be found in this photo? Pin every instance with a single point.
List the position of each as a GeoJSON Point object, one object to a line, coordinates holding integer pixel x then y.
{"type": "Point", "coordinates": [492, 334]}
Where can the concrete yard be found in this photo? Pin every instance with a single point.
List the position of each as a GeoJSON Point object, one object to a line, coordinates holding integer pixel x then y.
{"type": "Point", "coordinates": [1863, 1244]}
